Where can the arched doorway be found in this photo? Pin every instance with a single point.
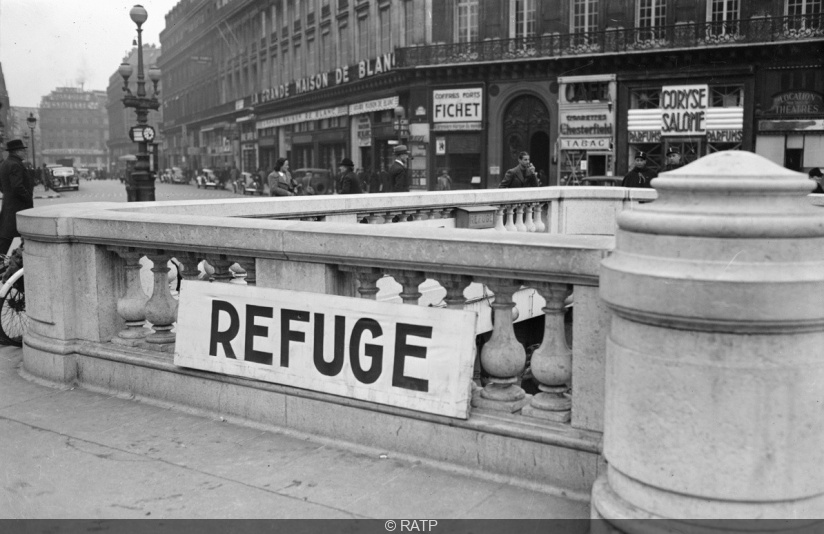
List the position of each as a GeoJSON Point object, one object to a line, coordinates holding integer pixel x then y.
{"type": "Point", "coordinates": [526, 128]}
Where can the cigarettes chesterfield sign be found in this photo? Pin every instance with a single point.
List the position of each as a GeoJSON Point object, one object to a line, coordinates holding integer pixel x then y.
{"type": "Point", "coordinates": [415, 357]}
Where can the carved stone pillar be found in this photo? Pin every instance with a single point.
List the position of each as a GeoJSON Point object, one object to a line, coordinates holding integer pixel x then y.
{"type": "Point", "coordinates": [132, 306]}
{"type": "Point", "coordinates": [551, 363]}
{"type": "Point", "coordinates": [714, 372]}
{"type": "Point", "coordinates": [502, 357]}
{"type": "Point", "coordinates": [455, 285]}
{"type": "Point", "coordinates": [374, 218]}
{"type": "Point", "coordinates": [367, 278]}
{"type": "Point", "coordinates": [161, 309]}
{"type": "Point", "coordinates": [409, 280]}
{"type": "Point", "coordinates": [189, 262]}
{"type": "Point", "coordinates": [421, 215]}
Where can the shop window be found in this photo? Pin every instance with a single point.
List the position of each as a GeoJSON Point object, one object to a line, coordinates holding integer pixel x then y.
{"type": "Point", "coordinates": [645, 99]}
{"type": "Point", "coordinates": [727, 96]}
{"type": "Point", "coordinates": [587, 92]}
{"type": "Point", "coordinates": [466, 21]}
{"type": "Point", "coordinates": [720, 147]}
{"type": "Point", "coordinates": [651, 18]}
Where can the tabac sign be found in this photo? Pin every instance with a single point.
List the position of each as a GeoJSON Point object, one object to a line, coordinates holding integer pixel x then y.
{"type": "Point", "coordinates": [414, 357]}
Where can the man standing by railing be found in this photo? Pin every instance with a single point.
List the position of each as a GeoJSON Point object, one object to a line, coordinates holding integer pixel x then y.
{"type": "Point", "coordinates": [521, 176]}
{"type": "Point", "coordinates": [18, 192]}
{"type": "Point", "coordinates": [398, 174]}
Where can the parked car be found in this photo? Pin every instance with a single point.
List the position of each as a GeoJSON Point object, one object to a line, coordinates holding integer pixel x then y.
{"type": "Point", "coordinates": [251, 184]}
{"type": "Point", "coordinates": [208, 179]}
{"type": "Point", "coordinates": [64, 178]}
{"type": "Point", "coordinates": [177, 176]}
{"type": "Point", "coordinates": [315, 181]}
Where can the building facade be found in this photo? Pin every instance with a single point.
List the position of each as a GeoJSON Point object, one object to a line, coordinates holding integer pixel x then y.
{"type": "Point", "coordinates": [582, 85]}
{"type": "Point", "coordinates": [74, 125]}
{"type": "Point", "coordinates": [121, 119]}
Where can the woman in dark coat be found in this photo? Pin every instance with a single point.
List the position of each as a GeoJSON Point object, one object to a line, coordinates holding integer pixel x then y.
{"type": "Point", "coordinates": [18, 192]}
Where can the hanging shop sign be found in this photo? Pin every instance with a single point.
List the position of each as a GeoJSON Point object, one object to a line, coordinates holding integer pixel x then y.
{"type": "Point", "coordinates": [381, 104]}
{"type": "Point", "coordinates": [684, 109]}
{"type": "Point", "coordinates": [796, 103]}
{"type": "Point", "coordinates": [458, 105]}
{"type": "Point", "coordinates": [596, 143]}
{"type": "Point", "coordinates": [414, 357]}
{"type": "Point", "coordinates": [364, 131]}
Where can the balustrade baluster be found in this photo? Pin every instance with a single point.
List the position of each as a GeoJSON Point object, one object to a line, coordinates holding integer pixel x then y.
{"type": "Point", "coordinates": [132, 306]}
{"type": "Point", "coordinates": [222, 266]}
{"type": "Point", "coordinates": [455, 285]}
{"type": "Point", "coordinates": [499, 219]}
{"type": "Point", "coordinates": [161, 309]}
{"type": "Point", "coordinates": [528, 219]}
{"type": "Point", "coordinates": [519, 218]}
{"type": "Point", "coordinates": [374, 218]}
{"type": "Point", "coordinates": [421, 215]}
{"type": "Point", "coordinates": [502, 357]}
{"type": "Point", "coordinates": [551, 363]}
{"type": "Point", "coordinates": [249, 265]}
{"type": "Point", "coordinates": [510, 219]}
{"type": "Point", "coordinates": [367, 278]}
{"type": "Point", "coordinates": [189, 262]}
{"type": "Point", "coordinates": [445, 213]}
{"type": "Point", "coordinates": [537, 218]}
{"type": "Point", "coordinates": [409, 280]}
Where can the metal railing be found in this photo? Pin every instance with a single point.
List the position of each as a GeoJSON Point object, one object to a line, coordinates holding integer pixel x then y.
{"type": "Point", "coordinates": [620, 40]}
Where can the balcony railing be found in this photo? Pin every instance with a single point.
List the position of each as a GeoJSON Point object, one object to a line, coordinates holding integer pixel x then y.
{"type": "Point", "coordinates": [615, 41]}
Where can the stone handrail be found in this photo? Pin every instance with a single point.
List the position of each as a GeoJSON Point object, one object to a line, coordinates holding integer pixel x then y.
{"type": "Point", "coordinates": [83, 265]}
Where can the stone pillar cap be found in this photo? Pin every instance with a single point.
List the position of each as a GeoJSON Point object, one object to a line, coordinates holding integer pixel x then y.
{"type": "Point", "coordinates": [729, 194]}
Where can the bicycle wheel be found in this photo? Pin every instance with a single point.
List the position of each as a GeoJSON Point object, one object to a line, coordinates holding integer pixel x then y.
{"type": "Point", "coordinates": [13, 319]}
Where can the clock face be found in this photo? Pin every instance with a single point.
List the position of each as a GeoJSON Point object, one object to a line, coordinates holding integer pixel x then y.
{"type": "Point", "coordinates": [148, 134]}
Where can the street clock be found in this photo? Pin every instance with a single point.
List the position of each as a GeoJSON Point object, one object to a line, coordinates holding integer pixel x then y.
{"type": "Point", "coordinates": [142, 133]}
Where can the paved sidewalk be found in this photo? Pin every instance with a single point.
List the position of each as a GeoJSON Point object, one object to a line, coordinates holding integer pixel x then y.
{"type": "Point", "coordinates": [71, 453]}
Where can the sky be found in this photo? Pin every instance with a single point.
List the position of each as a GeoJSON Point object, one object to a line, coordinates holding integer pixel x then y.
{"type": "Point", "coordinates": [46, 44]}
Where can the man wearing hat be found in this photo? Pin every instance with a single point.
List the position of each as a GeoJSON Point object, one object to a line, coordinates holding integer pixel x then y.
{"type": "Point", "coordinates": [673, 159]}
{"type": "Point", "coordinates": [18, 192]}
{"type": "Point", "coordinates": [640, 175]}
{"type": "Point", "coordinates": [349, 183]}
{"type": "Point", "coordinates": [398, 175]}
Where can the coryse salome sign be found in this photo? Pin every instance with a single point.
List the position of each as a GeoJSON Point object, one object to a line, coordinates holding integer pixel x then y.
{"type": "Point", "coordinates": [684, 109]}
{"type": "Point", "coordinates": [414, 357]}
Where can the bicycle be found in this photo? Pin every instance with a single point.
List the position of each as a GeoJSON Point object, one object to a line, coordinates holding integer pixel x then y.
{"type": "Point", "coordinates": [13, 319]}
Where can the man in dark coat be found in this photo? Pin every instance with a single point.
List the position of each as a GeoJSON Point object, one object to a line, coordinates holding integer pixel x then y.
{"type": "Point", "coordinates": [398, 172]}
{"type": "Point", "coordinates": [521, 176]}
{"type": "Point", "coordinates": [18, 192]}
{"type": "Point", "coordinates": [349, 181]}
{"type": "Point", "coordinates": [640, 175]}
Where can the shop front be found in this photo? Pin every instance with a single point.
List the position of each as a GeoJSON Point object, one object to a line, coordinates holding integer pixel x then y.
{"type": "Point", "coordinates": [696, 119]}
{"type": "Point", "coordinates": [586, 128]}
{"type": "Point", "coordinates": [457, 135]}
{"type": "Point", "coordinates": [790, 117]}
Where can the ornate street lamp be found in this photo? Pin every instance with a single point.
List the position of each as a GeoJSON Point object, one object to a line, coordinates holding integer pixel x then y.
{"type": "Point", "coordinates": [32, 122]}
{"type": "Point", "coordinates": [141, 185]}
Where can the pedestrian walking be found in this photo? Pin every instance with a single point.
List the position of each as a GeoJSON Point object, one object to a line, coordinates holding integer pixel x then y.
{"type": "Point", "coordinates": [523, 175]}
{"type": "Point", "coordinates": [349, 181]}
{"type": "Point", "coordinates": [640, 175]}
{"type": "Point", "coordinates": [816, 176]}
{"type": "Point", "coordinates": [280, 180]}
{"type": "Point", "coordinates": [444, 181]}
{"type": "Point", "coordinates": [398, 172]}
{"type": "Point", "coordinates": [18, 192]}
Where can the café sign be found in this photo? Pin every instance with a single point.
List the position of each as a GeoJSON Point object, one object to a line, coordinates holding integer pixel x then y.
{"type": "Point", "coordinates": [413, 357]}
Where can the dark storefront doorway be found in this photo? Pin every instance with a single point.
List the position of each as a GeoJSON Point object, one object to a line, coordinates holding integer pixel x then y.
{"type": "Point", "coordinates": [526, 128]}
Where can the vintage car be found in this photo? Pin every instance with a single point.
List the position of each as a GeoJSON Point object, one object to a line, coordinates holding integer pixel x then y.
{"type": "Point", "coordinates": [177, 176]}
{"type": "Point", "coordinates": [314, 181]}
{"type": "Point", "coordinates": [63, 179]}
{"type": "Point", "coordinates": [250, 184]}
{"type": "Point", "coordinates": [208, 179]}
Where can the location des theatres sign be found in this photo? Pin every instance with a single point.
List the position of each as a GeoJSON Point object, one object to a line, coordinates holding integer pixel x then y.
{"type": "Point", "coordinates": [413, 357]}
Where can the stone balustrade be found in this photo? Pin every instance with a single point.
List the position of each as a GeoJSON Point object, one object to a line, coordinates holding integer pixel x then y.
{"type": "Point", "coordinates": [91, 307]}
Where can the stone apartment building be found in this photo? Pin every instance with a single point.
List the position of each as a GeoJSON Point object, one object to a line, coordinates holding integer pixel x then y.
{"type": "Point", "coordinates": [74, 125]}
{"type": "Point", "coordinates": [467, 84]}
